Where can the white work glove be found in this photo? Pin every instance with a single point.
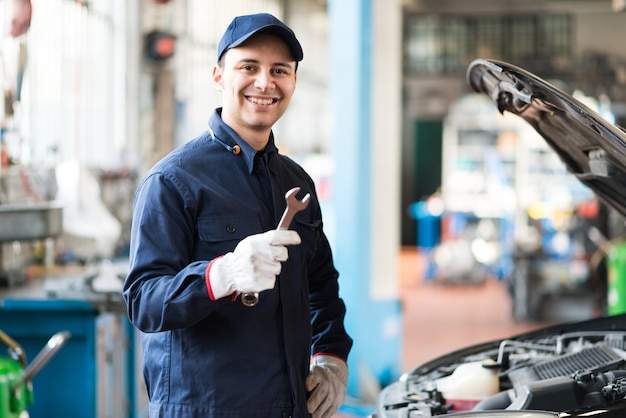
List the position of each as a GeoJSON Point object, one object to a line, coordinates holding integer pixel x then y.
{"type": "Point", "coordinates": [326, 383]}
{"type": "Point", "coordinates": [253, 265]}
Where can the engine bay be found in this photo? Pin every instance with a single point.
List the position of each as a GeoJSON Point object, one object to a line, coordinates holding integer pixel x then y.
{"type": "Point", "coordinates": [558, 372]}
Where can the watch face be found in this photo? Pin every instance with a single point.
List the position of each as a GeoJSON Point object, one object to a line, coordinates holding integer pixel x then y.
{"type": "Point", "coordinates": [591, 147]}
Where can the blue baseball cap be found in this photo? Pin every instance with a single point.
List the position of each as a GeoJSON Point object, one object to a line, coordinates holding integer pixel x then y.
{"type": "Point", "coordinates": [243, 27]}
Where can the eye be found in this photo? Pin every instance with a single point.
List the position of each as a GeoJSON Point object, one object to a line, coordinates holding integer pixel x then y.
{"type": "Point", "coordinates": [280, 71]}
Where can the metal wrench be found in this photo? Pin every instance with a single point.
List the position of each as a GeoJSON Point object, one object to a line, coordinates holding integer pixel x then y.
{"type": "Point", "coordinates": [293, 206]}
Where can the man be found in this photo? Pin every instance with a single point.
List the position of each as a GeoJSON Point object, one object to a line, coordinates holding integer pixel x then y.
{"type": "Point", "coordinates": [204, 233]}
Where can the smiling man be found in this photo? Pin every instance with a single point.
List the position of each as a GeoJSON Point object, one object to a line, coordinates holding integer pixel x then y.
{"type": "Point", "coordinates": [257, 80]}
{"type": "Point", "coordinates": [204, 233]}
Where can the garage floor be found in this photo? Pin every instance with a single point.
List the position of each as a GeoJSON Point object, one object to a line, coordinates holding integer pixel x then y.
{"type": "Point", "coordinates": [439, 318]}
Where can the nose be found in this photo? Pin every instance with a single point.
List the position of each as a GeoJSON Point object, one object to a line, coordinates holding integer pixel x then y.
{"type": "Point", "coordinates": [264, 81]}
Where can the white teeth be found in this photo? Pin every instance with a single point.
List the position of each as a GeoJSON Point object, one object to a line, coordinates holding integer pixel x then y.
{"type": "Point", "coordinates": [261, 101]}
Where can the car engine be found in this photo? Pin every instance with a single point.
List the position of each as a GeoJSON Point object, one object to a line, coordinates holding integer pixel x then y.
{"type": "Point", "coordinates": [551, 372]}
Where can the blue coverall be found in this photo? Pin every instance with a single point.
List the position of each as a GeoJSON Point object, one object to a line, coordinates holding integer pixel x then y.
{"type": "Point", "coordinates": [218, 358]}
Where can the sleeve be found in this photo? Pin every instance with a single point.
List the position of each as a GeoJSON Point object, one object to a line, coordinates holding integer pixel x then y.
{"type": "Point", "coordinates": [163, 279]}
{"type": "Point", "coordinates": [328, 310]}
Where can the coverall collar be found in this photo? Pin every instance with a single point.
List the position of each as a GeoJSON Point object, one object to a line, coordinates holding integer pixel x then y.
{"type": "Point", "coordinates": [225, 135]}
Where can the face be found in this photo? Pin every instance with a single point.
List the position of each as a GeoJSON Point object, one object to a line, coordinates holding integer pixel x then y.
{"type": "Point", "coordinates": [257, 80]}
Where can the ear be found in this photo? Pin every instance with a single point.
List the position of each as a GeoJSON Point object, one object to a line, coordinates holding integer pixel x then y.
{"type": "Point", "coordinates": [217, 78]}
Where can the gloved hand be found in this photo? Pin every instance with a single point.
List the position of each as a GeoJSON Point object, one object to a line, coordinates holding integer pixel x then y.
{"type": "Point", "coordinates": [252, 266]}
{"type": "Point", "coordinates": [326, 382]}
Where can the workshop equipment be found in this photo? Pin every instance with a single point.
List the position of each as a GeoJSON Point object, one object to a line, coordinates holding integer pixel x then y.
{"type": "Point", "coordinates": [25, 222]}
{"type": "Point", "coordinates": [293, 206]}
{"type": "Point", "coordinates": [616, 286]}
{"type": "Point", "coordinates": [16, 391]}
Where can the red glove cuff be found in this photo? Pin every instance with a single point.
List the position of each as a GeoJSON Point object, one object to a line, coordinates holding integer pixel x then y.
{"type": "Point", "coordinates": [207, 278]}
{"type": "Point", "coordinates": [329, 355]}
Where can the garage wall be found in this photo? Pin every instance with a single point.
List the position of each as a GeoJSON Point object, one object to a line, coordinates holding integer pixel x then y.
{"type": "Point", "coordinates": [601, 32]}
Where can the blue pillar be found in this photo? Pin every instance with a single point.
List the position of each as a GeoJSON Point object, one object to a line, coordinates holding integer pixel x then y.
{"type": "Point", "coordinates": [376, 352]}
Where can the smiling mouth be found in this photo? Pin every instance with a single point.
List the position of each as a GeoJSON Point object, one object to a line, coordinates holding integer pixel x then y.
{"type": "Point", "coordinates": [260, 101]}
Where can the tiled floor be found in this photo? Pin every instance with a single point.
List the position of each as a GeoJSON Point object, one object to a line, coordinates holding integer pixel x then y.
{"type": "Point", "coordinates": [439, 318]}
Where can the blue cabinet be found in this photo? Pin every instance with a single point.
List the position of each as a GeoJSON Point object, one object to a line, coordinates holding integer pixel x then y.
{"type": "Point", "coordinates": [93, 374]}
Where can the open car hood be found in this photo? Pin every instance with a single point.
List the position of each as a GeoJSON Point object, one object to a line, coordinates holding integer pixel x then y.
{"type": "Point", "coordinates": [592, 148]}
{"type": "Point", "coordinates": [575, 369]}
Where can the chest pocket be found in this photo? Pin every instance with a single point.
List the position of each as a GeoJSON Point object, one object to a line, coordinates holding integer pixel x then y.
{"type": "Point", "coordinates": [309, 233]}
{"type": "Point", "coordinates": [220, 234]}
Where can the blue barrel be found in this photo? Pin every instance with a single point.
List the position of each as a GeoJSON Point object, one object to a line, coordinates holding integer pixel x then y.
{"type": "Point", "coordinates": [428, 225]}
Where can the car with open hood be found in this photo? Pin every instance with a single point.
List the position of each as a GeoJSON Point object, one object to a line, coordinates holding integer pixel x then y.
{"type": "Point", "coordinates": [575, 369]}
